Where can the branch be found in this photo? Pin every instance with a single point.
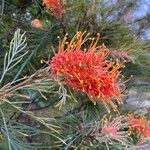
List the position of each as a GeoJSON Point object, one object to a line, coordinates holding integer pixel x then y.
{"type": "Point", "coordinates": [8, 89]}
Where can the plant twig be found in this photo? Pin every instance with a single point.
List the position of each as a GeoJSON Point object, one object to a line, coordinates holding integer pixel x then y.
{"type": "Point", "coordinates": [7, 90]}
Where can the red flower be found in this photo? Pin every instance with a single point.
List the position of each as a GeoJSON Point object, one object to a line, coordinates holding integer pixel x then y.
{"type": "Point", "coordinates": [109, 130]}
{"type": "Point", "coordinates": [140, 125]}
{"type": "Point", "coordinates": [36, 23]}
{"type": "Point", "coordinates": [88, 71]}
{"type": "Point", "coordinates": [112, 130]}
{"type": "Point", "coordinates": [55, 6]}
{"type": "Point", "coordinates": [146, 131]}
{"type": "Point", "coordinates": [136, 122]}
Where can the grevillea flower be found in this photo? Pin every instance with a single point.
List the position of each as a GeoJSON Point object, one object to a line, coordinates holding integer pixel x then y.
{"type": "Point", "coordinates": [55, 6]}
{"type": "Point", "coordinates": [111, 129]}
{"type": "Point", "coordinates": [139, 124]}
{"type": "Point", "coordinates": [87, 70]}
{"type": "Point", "coordinates": [136, 122]}
{"type": "Point", "coordinates": [36, 23]}
{"type": "Point", "coordinates": [146, 131]}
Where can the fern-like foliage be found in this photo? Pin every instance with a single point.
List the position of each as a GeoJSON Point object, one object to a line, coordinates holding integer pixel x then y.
{"type": "Point", "coordinates": [15, 53]}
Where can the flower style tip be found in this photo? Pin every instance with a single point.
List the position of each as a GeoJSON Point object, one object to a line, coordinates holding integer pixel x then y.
{"type": "Point", "coordinates": [87, 70]}
{"type": "Point", "coordinates": [36, 23]}
{"type": "Point", "coordinates": [55, 6]}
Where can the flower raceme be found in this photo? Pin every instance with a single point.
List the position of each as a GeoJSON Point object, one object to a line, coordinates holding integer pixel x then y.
{"type": "Point", "coordinates": [108, 130]}
{"type": "Point", "coordinates": [140, 125]}
{"type": "Point", "coordinates": [55, 6]}
{"type": "Point", "coordinates": [111, 129]}
{"type": "Point", "coordinates": [88, 70]}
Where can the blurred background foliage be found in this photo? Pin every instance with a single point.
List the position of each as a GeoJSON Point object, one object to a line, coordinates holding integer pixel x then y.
{"type": "Point", "coordinates": [123, 25]}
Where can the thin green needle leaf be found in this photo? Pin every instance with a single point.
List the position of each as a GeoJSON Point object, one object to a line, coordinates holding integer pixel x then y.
{"type": "Point", "coordinates": [7, 132]}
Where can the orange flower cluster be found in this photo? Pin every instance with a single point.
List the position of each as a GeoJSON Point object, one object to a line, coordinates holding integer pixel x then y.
{"type": "Point", "coordinates": [140, 125]}
{"type": "Point", "coordinates": [36, 23]}
{"type": "Point", "coordinates": [55, 6]}
{"type": "Point", "coordinates": [87, 70]}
